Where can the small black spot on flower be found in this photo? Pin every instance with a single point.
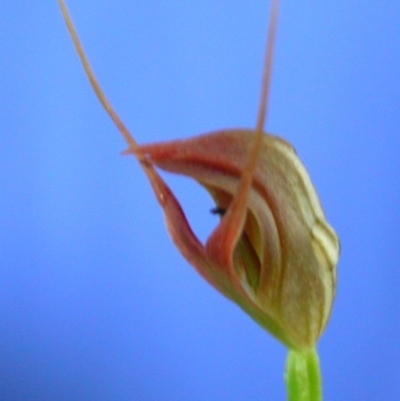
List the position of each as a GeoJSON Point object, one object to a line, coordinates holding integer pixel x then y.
{"type": "Point", "coordinates": [218, 210]}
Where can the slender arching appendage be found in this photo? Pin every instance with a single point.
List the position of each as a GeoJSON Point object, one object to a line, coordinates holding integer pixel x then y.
{"type": "Point", "coordinates": [228, 232]}
{"type": "Point", "coordinates": [133, 145]}
{"type": "Point", "coordinates": [176, 220]}
{"type": "Point", "coordinates": [93, 81]}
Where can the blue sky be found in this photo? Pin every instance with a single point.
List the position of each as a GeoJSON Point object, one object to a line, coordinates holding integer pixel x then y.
{"type": "Point", "coordinates": [96, 302]}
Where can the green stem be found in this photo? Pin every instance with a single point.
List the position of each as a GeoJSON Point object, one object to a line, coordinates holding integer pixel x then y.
{"type": "Point", "coordinates": [303, 376]}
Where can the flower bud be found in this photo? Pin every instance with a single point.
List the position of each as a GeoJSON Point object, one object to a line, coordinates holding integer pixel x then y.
{"type": "Point", "coordinates": [281, 268]}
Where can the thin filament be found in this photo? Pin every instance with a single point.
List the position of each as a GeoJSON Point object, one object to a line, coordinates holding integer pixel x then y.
{"type": "Point", "coordinates": [238, 206]}
{"type": "Point", "coordinates": [265, 90]}
{"type": "Point", "coordinates": [93, 81]}
{"type": "Point", "coordinates": [269, 57]}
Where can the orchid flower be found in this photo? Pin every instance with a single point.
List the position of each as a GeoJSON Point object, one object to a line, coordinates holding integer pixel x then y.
{"type": "Point", "coordinates": [273, 252]}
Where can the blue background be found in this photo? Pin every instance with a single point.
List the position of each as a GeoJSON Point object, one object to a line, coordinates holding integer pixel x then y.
{"type": "Point", "coordinates": [95, 301]}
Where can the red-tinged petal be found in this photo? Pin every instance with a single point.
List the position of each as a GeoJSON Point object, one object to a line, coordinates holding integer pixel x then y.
{"type": "Point", "coordinates": [177, 224]}
{"type": "Point", "coordinates": [183, 236]}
